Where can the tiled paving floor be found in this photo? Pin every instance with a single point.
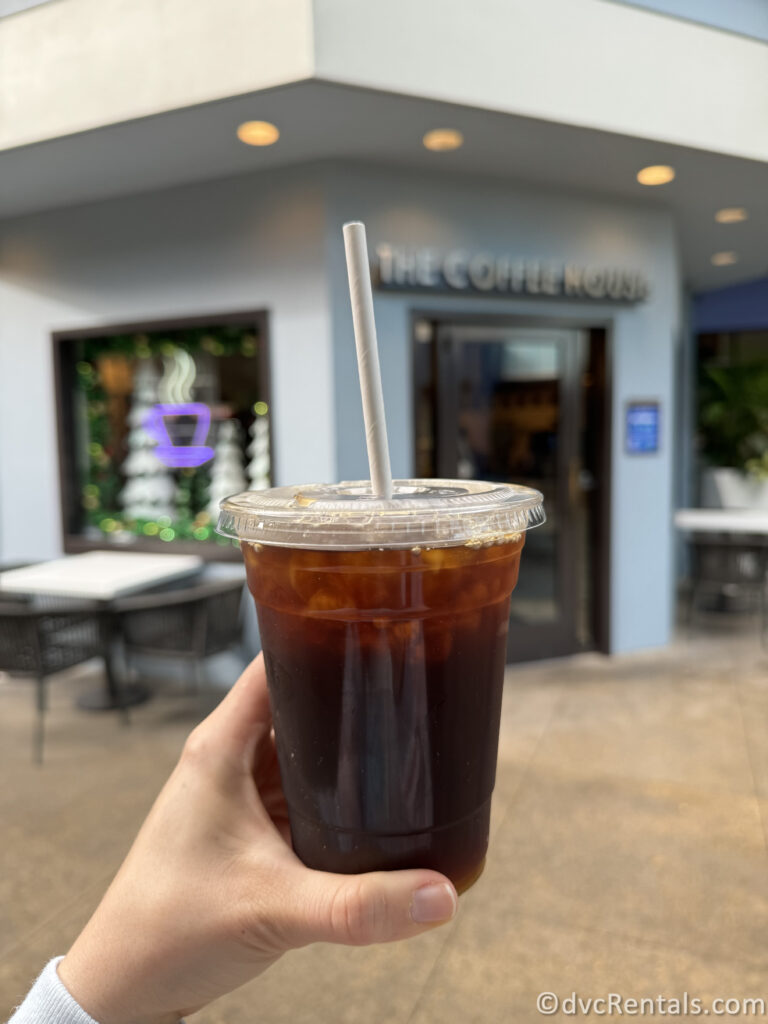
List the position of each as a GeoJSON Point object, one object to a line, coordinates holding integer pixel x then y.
{"type": "Point", "coordinates": [628, 851]}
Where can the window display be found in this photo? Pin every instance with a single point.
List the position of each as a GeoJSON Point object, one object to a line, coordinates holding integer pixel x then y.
{"type": "Point", "coordinates": [158, 423]}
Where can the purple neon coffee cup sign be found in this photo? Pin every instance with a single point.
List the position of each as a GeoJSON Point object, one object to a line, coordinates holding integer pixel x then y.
{"type": "Point", "coordinates": [170, 422]}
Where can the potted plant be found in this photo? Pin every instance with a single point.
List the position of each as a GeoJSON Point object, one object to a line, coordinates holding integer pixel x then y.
{"type": "Point", "coordinates": [733, 433]}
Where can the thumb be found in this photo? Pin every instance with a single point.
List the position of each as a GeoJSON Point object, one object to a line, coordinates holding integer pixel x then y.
{"type": "Point", "coordinates": [244, 711]}
{"type": "Point", "coordinates": [380, 906]}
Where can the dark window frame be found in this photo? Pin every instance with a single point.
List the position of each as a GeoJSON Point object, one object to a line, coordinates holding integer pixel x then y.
{"type": "Point", "coordinates": [69, 498]}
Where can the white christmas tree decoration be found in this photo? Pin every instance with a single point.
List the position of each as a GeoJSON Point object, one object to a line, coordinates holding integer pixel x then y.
{"type": "Point", "coordinates": [150, 489]}
{"type": "Point", "coordinates": [227, 476]}
{"type": "Point", "coordinates": [258, 451]}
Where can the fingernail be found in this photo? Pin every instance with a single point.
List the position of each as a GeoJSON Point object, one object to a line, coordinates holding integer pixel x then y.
{"type": "Point", "coordinates": [435, 902]}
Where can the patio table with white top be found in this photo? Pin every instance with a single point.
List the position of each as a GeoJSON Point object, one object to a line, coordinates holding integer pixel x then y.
{"type": "Point", "coordinates": [101, 576]}
{"type": "Point", "coordinates": [736, 540]}
{"type": "Point", "coordinates": [722, 520]}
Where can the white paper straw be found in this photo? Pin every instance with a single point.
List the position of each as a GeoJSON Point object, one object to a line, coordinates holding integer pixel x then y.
{"type": "Point", "coordinates": [368, 358]}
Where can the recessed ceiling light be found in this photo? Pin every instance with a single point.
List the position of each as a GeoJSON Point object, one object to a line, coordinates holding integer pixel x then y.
{"type": "Point", "coordinates": [724, 259]}
{"type": "Point", "coordinates": [441, 139]}
{"type": "Point", "coordinates": [258, 133]}
{"type": "Point", "coordinates": [731, 215]}
{"type": "Point", "coordinates": [656, 174]}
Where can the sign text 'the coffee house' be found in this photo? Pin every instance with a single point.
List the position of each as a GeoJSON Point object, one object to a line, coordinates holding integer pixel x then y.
{"type": "Point", "coordinates": [403, 269]}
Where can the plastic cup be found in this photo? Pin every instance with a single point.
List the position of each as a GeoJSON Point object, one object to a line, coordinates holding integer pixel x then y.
{"type": "Point", "coordinates": [384, 628]}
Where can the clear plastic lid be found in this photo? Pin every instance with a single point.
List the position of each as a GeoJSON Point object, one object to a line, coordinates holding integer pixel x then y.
{"type": "Point", "coordinates": [347, 516]}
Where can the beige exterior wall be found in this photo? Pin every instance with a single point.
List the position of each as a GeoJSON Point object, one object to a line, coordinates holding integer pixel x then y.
{"type": "Point", "coordinates": [74, 65]}
{"type": "Point", "coordinates": [582, 62]}
{"type": "Point", "coordinates": [80, 64]}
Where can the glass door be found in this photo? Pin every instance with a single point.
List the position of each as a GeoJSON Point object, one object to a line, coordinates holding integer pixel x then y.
{"type": "Point", "coordinates": [508, 407]}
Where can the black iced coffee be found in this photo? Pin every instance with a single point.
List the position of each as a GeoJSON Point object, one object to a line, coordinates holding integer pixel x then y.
{"type": "Point", "coordinates": [385, 663]}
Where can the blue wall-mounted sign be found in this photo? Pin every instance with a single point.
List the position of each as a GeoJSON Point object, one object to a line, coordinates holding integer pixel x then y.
{"type": "Point", "coordinates": [642, 428]}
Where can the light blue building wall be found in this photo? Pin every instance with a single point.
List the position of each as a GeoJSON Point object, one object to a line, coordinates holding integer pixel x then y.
{"type": "Point", "coordinates": [273, 241]}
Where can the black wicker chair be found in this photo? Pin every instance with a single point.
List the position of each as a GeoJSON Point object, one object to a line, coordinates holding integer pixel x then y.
{"type": "Point", "coordinates": [38, 641]}
{"type": "Point", "coordinates": [8, 596]}
{"type": "Point", "coordinates": [729, 568]}
{"type": "Point", "coordinates": [191, 624]}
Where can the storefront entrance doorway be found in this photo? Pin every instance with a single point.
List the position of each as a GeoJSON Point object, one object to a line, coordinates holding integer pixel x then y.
{"type": "Point", "coordinates": [528, 401]}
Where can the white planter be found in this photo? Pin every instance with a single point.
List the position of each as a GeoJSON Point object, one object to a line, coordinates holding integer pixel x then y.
{"type": "Point", "coordinates": [731, 488]}
{"type": "Point", "coordinates": [758, 493]}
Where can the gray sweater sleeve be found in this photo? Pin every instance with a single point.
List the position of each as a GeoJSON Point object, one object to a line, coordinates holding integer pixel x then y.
{"type": "Point", "coordinates": [48, 1002]}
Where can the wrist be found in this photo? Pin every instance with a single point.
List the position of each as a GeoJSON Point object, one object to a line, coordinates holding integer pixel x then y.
{"type": "Point", "coordinates": [93, 988]}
